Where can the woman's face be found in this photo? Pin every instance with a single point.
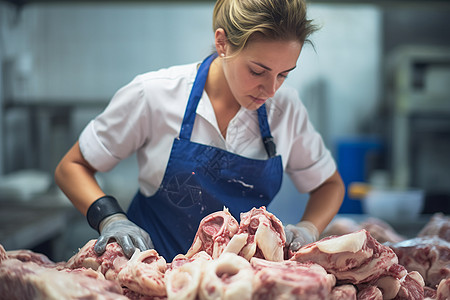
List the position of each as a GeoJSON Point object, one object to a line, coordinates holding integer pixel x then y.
{"type": "Point", "coordinates": [257, 72]}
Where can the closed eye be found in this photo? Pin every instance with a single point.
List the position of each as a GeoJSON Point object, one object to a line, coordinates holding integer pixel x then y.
{"type": "Point", "coordinates": [254, 73]}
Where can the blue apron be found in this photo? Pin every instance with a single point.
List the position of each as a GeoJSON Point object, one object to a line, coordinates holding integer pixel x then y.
{"type": "Point", "coordinates": [202, 179]}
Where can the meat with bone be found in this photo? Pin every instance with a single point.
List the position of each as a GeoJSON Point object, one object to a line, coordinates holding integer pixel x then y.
{"type": "Point", "coordinates": [183, 276]}
{"type": "Point", "coordinates": [259, 234]}
{"type": "Point", "coordinates": [3, 255]}
{"type": "Point", "coordinates": [356, 260]}
{"type": "Point", "coordinates": [429, 293]}
{"type": "Point", "coordinates": [29, 280]}
{"type": "Point", "coordinates": [353, 258]}
{"type": "Point", "coordinates": [30, 256]}
{"type": "Point", "coordinates": [439, 225]}
{"type": "Point", "coordinates": [443, 290]}
{"type": "Point", "coordinates": [340, 226]}
{"type": "Point", "coordinates": [266, 237]}
{"type": "Point", "coordinates": [290, 280]}
{"type": "Point", "coordinates": [379, 229]}
{"type": "Point", "coordinates": [343, 292]}
{"type": "Point", "coordinates": [214, 234]}
{"type": "Point", "coordinates": [370, 293]}
{"type": "Point", "coordinates": [227, 277]}
{"type": "Point", "coordinates": [411, 287]}
{"type": "Point", "coordinates": [144, 273]}
{"type": "Point", "coordinates": [430, 256]}
{"type": "Point", "coordinates": [388, 285]}
{"type": "Point", "coordinates": [110, 263]}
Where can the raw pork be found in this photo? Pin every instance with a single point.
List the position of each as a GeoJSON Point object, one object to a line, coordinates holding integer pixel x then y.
{"type": "Point", "coordinates": [443, 290]}
{"type": "Point", "coordinates": [290, 280]}
{"type": "Point", "coordinates": [28, 280]}
{"type": "Point", "coordinates": [144, 273]}
{"type": "Point", "coordinates": [242, 261]}
{"type": "Point", "coordinates": [214, 234]}
{"type": "Point", "coordinates": [379, 229]}
{"type": "Point", "coordinates": [429, 293]}
{"type": "Point", "coordinates": [388, 285]}
{"type": "Point", "coordinates": [110, 263]}
{"type": "Point", "coordinates": [439, 225]}
{"type": "Point", "coordinates": [343, 292]}
{"type": "Point", "coordinates": [370, 293]}
{"type": "Point", "coordinates": [2, 254]}
{"type": "Point", "coordinates": [227, 277]}
{"type": "Point", "coordinates": [30, 256]}
{"type": "Point", "coordinates": [265, 235]}
{"type": "Point", "coordinates": [353, 258]}
{"type": "Point", "coordinates": [430, 256]}
{"type": "Point", "coordinates": [259, 234]}
{"type": "Point", "coordinates": [411, 287]}
{"type": "Point", "coordinates": [184, 275]}
{"type": "Point", "coordinates": [341, 226]}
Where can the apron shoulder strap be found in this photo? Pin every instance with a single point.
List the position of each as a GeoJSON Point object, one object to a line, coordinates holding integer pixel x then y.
{"type": "Point", "coordinates": [265, 132]}
{"type": "Point", "coordinates": [194, 98]}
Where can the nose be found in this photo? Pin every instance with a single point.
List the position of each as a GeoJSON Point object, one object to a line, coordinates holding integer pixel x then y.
{"type": "Point", "coordinates": [270, 86]}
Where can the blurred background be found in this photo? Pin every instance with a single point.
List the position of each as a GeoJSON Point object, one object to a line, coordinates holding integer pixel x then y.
{"type": "Point", "coordinates": [376, 84]}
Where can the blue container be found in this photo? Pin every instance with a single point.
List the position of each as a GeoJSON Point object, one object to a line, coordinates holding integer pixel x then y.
{"type": "Point", "coordinates": [355, 159]}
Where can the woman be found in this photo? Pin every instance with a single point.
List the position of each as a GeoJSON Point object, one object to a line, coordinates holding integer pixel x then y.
{"type": "Point", "coordinates": [207, 136]}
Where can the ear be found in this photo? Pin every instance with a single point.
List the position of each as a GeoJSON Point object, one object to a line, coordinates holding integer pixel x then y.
{"type": "Point", "coordinates": [221, 41]}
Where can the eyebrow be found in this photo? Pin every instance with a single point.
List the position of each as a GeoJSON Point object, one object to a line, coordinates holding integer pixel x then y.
{"type": "Point", "coordinates": [269, 69]}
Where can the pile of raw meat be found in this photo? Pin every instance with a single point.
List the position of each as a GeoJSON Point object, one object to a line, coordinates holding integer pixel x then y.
{"type": "Point", "coordinates": [246, 260]}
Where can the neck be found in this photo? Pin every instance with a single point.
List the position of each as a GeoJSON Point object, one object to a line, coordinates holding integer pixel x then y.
{"type": "Point", "coordinates": [223, 102]}
{"type": "Point", "coordinates": [217, 87]}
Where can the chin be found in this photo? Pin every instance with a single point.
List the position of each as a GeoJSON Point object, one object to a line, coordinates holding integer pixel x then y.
{"type": "Point", "coordinates": [252, 106]}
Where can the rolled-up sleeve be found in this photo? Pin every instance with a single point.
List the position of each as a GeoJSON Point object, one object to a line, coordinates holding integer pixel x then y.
{"type": "Point", "coordinates": [310, 162]}
{"type": "Point", "coordinates": [311, 177]}
{"type": "Point", "coordinates": [94, 151]}
{"type": "Point", "coordinates": [118, 131]}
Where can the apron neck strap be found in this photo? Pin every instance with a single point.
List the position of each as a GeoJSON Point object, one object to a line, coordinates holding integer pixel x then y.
{"type": "Point", "coordinates": [194, 97]}
{"type": "Point", "coordinates": [265, 132]}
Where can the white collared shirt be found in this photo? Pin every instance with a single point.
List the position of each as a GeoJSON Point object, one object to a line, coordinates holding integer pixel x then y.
{"type": "Point", "coordinates": [146, 115]}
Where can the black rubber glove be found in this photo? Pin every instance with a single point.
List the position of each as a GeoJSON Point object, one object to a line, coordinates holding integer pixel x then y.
{"type": "Point", "coordinates": [123, 231]}
{"type": "Point", "coordinates": [300, 235]}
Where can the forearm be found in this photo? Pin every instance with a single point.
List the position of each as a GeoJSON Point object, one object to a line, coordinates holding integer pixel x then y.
{"type": "Point", "coordinates": [324, 202]}
{"type": "Point", "coordinates": [76, 178]}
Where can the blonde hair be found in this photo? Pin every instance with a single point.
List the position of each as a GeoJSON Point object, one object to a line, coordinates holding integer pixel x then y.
{"type": "Point", "coordinates": [274, 19]}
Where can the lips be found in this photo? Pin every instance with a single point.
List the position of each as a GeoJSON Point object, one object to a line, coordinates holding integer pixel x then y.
{"type": "Point", "coordinates": [258, 100]}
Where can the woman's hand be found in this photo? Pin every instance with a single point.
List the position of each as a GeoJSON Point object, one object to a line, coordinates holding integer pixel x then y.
{"type": "Point", "coordinates": [123, 231]}
{"type": "Point", "coordinates": [300, 235]}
